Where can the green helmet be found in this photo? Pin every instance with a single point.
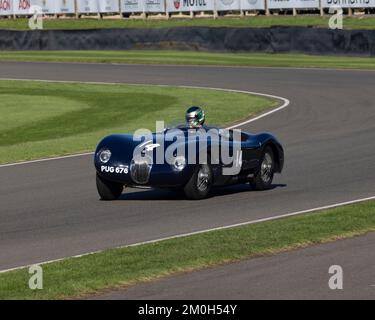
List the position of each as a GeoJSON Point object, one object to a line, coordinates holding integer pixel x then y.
{"type": "Point", "coordinates": [195, 117]}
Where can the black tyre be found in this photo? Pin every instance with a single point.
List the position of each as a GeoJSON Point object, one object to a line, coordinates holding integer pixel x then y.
{"type": "Point", "coordinates": [264, 177]}
{"type": "Point", "coordinates": [200, 183]}
{"type": "Point", "coordinates": [108, 190]}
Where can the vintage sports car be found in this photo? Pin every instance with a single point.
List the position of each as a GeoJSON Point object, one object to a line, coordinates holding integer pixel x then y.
{"type": "Point", "coordinates": [123, 160]}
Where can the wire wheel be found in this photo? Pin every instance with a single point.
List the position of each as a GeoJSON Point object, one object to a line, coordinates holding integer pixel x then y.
{"type": "Point", "coordinates": [266, 170]}
{"type": "Point", "coordinates": [199, 185]}
{"type": "Point", "coordinates": [264, 177]}
{"type": "Point", "coordinates": [203, 179]}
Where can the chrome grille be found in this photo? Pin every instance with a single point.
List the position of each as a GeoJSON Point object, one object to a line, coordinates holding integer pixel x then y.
{"type": "Point", "coordinates": [140, 169]}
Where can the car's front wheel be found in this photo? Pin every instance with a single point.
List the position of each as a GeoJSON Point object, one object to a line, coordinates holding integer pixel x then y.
{"type": "Point", "coordinates": [108, 190]}
{"type": "Point", "coordinates": [200, 183]}
{"type": "Point", "coordinates": [264, 177]}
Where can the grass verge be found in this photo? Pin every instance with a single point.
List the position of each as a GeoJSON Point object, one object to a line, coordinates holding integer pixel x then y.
{"type": "Point", "coordinates": [127, 266]}
{"type": "Point", "coordinates": [194, 58]}
{"type": "Point", "coordinates": [40, 119]}
{"type": "Point", "coordinates": [360, 22]}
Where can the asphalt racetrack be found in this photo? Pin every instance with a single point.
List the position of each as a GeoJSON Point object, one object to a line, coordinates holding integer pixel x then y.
{"type": "Point", "coordinates": [51, 209]}
{"type": "Point", "coordinates": [300, 274]}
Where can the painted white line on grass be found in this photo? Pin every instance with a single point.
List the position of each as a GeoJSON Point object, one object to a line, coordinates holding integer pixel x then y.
{"type": "Point", "coordinates": [281, 216]}
{"type": "Point", "coordinates": [285, 103]}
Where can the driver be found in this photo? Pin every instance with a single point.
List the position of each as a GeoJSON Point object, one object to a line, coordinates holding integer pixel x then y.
{"type": "Point", "coordinates": [195, 117]}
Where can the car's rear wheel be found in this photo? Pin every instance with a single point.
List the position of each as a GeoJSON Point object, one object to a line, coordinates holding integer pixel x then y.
{"type": "Point", "coordinates": [108, 190]}
{"type": "Point", "coordinates": [264, 177]}
{"type": "Point", "coordinates": [200, 183]}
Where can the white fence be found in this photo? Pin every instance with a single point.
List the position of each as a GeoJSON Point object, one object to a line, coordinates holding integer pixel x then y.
{"type": "Point", "coordinates": [22, 7]}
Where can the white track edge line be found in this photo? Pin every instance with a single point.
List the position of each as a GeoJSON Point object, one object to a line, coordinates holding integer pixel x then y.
{"type": "Point", "coordinates": [285, 101]}
{"type": "Point", "coordinates": [200, 232]}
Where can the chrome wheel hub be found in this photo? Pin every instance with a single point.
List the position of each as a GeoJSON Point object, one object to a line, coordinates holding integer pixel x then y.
{"type": "Point", "coordinates": [203, 180]}
{"type": "Point", "coordinates": [266, 168]}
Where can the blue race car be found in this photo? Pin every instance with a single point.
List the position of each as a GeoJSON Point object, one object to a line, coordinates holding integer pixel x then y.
{"type": "Point", "coordinates": [179, 158]}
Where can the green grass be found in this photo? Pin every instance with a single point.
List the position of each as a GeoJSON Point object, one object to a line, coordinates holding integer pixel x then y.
{"type": "Point", "coordinates": [127, 266]}
{"type": "Point", "coordinates": [362, 22]}
{"type": "Point", "coordinates": [194, 58]}
{"type": "Point", "coordinates": [40, 119]}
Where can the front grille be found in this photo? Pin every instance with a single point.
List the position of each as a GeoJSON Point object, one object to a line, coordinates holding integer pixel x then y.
{"type": "Point", "coordinates": [140, 169]}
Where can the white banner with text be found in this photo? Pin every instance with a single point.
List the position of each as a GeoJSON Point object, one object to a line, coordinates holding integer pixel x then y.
{"type": "Point", "coordinates": [348, 3]}
{"type": "Point", "coordinates": [253, 5]}
{"type": "Point", "coordinates": [109, 6]}
{"type": "Point", "coordinates": [87, 6]}
{"type": "Point", "coordinates": [291, 4]}
{"type": "Point", "coordinates": [22, 7]}
{"type": "Point", "coordinates": [130, 6]}
{"type": "Point", "coordinates": [190, 5]}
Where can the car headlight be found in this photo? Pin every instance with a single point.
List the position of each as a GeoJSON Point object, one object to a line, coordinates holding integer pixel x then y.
{"type": "Point", "coordinates": [104, 155]}
{"type": "Point", "coordinates": [179, 163]}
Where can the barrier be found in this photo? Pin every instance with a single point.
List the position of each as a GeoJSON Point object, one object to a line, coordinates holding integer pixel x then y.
{"type": "Point", "coordinates": [53, 7]}
{"type": "Point", "coordinates": [272, 40]}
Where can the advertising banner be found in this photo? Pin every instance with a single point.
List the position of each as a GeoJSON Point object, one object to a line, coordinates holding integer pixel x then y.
{"type": "Point", "coordinates": [227, 5]}
{"type": "Point", "coordinates": [6, 7]}
{"type": "Point", "coordinates": [155, 6]}
{"type": "Point", "coordinates": [87, 6]}
{"type": "Point", "coordinates": [21, 7]}
{"type": "Point", "coordinates": [348, 3]}
{"type": "Point", "coordinates": [48, 6]}
{"type": "Point", "coordinates": [190, 5]}
{"type": "Point", "coordinates": [290, 4]}
{"type": "Point", "coordinates": [132, 6]}
{"type": "Point", "coordinates": [109, 6]}
{"type": "Point", "coordinates": [64, 6]}
{"type": "Point", "coordinates": [253, 5]}
{"type": "Point", "coordinates": [143, 6]}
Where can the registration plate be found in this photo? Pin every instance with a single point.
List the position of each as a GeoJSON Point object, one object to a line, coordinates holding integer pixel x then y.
{"type": "Point", "coordinates": [118, 170]}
